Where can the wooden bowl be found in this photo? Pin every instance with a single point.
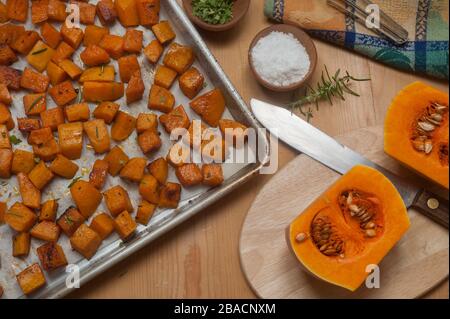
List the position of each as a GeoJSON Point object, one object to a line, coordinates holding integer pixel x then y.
{"type": "Point", "coordinates": [303, 38]}
{"type": "Point", "coordinates": [240, 8]}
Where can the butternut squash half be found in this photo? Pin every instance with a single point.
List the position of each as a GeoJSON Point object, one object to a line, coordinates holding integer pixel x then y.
{"type": "Point", "coordinates": [416, 131]}
{"type": "Point", "coordinates": [355, 223]}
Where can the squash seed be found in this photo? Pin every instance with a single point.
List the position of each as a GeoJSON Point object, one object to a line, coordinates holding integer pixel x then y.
{"type": "Point", "coordinates": [371, 233]}
{"type": "Point", "coordinates": [427, 127]}
{"type": "Point", "coordinates": [300, 237]}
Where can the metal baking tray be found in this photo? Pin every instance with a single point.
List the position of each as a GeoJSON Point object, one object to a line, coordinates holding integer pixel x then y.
{"type": "Point", "coordinates": [193, 200]}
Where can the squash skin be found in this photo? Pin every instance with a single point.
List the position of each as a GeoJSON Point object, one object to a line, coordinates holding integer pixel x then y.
{"type": "Point", "coordinates": [350, 272]}
{"type": "Point", "coordinates": [402, 113]}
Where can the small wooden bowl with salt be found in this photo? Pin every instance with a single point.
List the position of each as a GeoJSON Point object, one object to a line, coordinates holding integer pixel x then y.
{"type": "Point", "coordinates": [289, 65]}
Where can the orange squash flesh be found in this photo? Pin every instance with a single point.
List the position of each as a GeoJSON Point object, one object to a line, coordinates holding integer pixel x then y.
{"type": "Point", "coordinates": [403, 114]}
{"type": "Point", "coordinates": [347, 266]}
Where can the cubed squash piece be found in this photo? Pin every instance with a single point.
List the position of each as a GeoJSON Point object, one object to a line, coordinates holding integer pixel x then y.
{"type": "Point", "coordinates": [47, 151]}
{"type": "Point", "coordinates": [103, 225]}
{"type": "Point", "coordinates": [210, 107]}
{"type": "Point", "coordinates": [189, 175]}
{"type": "Point", "coordinates": [98, 135]}
{"type": "Point", "coordinates": [125, 225]}
{"type": "Point", "coordinates": [34, 104]}
{"type": "Point", "coordinates": [179, 58]}
{"type": "Point", "coordinates": [159, 169]}
{"type": "Point", "coordinates": [191, 82]}
{"type": "Point", "coordinates": [39, 9]}
{"type": "Point", "coordinates": [99, 74]}
{"type": "Point", "coordinates": [6, 158]}
{"type": "Point", "coordinates": [124, 125]}
{"type": "Point", "coordinates": [20, 218]}
{"type": "Point", "coordinates": [133, 41]}
{"type": "Point", "coordinates": [161, 99]}
{"type": "Point", "coordinates": [94, 55]}
{"type": "Point", "coordinates": [145, 212]}
{"type": "Point", "coordinates": [72, 36]}
{"type": "Point", "coordinates": [117, 200]}
{"type": "Point", "coordinates": [146, 121]}
{"type": "Point", "coordinates": [31, 279]}
{"type": "Point", "coordinates": [113, 44]}
{"type": "Point", "coordinates": [127, 12]}
{"type": "Point", "coordinates": [23, 161]}
{"type": "Point", "coordinates": [135, 89]}
{"type": "Point", "coordinates": [176, 119]}
{"type": "Point", "coordinates": [87, 13]}
{"type": "Point", "coordinates": [116, 159]}
{"type": "Point", "coordinates": [3, 209]}
{"type": "Point", "coordinates": [49, 210]}
{"type": "Point", "coordinates": [93, 34]}
{"type": "Point", "coordinates": [106, 12]}
{"type": "Point", "coordinates": [213, 149]}
{"type": "Point", "coordinates": [148, 11]}
{"type": "Point", "coordinates": [21, 244]}
{"type": "Point", "coordinates": [77, 112]}
{"type": "Point", "coordinates": [153, 51]}
{"type": "Point", "coordinates": [64, 167]}
{"type": "Point", "coordinates": [55, 73]}
{"type": "Point", "coordinates": [212, 174]}
{"type": "Point", "coordinates": [149, 189]}
{"type": "Point", "coordinates": [102, 91]}
{"type": "Point", "coordinates": [56, 10]}
{"type": "Point", "coordinates": [86, 197]}
{"type": "Point", "coordinates": [10, 77]}
{"type": "Point", "coordinates": [134, 169]}
{"type": "Point", "coordinates": [106, 111]}
{"type": "Point", "coordinates": [63, 51]}
{"type": "Point", "coordinates": [7, 56]}
{"type": "Point", "coordinates": [63, 93]}
{"type": "Point", "coordinates": [10, 32]}
{"type": "Point", "coordinates": [85, 241]}
{"type": "Point", "coordinates": [179, 154]}
{"type": "Point", "coordinates": [40, 55]}
{"type": "Point", "coordinates": [17, 10]}
{"type": "Point", "coordinates": [40, 136]}
{"type": "Point", "coordinates": [40, 175]}
{"type": "Point", "coordinates": [99, 172]}
{"type": "Point", "coordinates": [27, 125]}
{"type": "Point", "coordinates": [70, 220]}
{"type": "Point", "coordinates": [163, 32]}
{"type": "Point", "coordinates": [164, 76]}
{"type": "Point", "coordinates": [71, 139]}
{"type": "Point", "coordinates": [149, 141]}
{"type": "Point", "coordinates": [34, 81]}
{"type": "Point", "coordinates": [52, 118]}
{"type": "Point", "coordinates": [5, 97]}
{"type": "Point", "coordinates": [73, 70]}
{"type": "Point", "coordinates": [170, 195]}
{"type": "Point", "coordinates": [233, 131]}
{"type": "Point", "coordinates": [31, 195]}
{"type": "Point", "coordinates": [6, 117]}
{"type": "Point", "coordinates": [127, 66]}
{"type": "Point", "coordinates": [4, 137]}
{"type": "Point", "coordinates": [46, 231]}
{"type": "Point", "coordinates": [51, 256]}
{"type": "Point", "coordinates": [50, 35]}
{"type": "Point", "coordinates": [25, 42]}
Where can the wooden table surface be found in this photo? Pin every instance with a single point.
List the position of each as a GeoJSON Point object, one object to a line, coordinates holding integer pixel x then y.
{"type": "Point", "coordinates": [200, 259]}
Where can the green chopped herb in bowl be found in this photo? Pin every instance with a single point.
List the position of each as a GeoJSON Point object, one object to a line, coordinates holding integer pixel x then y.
{"type": "Point", "coordinates": [213, 11]}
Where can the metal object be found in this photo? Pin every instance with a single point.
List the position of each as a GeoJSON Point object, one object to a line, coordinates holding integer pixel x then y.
{"type": "Point", "coordinates": [388, 27]}
{"type": "Point", "coordinates": [311, 141]}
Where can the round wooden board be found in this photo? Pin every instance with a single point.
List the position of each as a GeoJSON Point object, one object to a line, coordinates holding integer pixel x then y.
{"type": "Point", "coordinates": [417, 263]}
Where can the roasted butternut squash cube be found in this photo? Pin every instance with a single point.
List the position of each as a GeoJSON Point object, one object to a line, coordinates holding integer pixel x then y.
{"type": "Point", "coordinates": [6, 117]}
{"type": "Point", "coordinates": [113, 44]}
{"type": "Point", "coordinates": [64, 167]}
{"type": "Point", "coordinates": [102, 91]}
{"type": "Point", "coordinates": [34, 81]}
{"type": "Point", "coordinates": [146, 121]}
{"type": "Point", "coordinates": [116, 159]}
{"type": "Point", "coordinates": [40, 136]}
{"type": "Point", "coordinates": [4, 137]}
{"type": "Point", "coordinates": [50, 35]}
{"type": "Point", "coordinates": [170, 195]}
{"type": "Point", "coordinates": [77, 112]}
{"type": "Point", "coordinates": [149, 189]}
{"type": "Point", "coordinates": [23, 161]}
{"type": "Point", "coordinates": [87, 13]}
{"type": "Point", "coordinates": [49, 210]}
{"type": "Point", "coordinates": [210, 107]}
{"type": "Point", "coordinates": [86, 197]}
{"type": "Point", "coordinates": [123, 126]}
{"type": "Point", "coordinates": [72, 36]}
{"type": "Point", "coordinates": [148, 11]}
{"type": "Point", "coordinates": [191, 82]}
{"type": "Point", "coordinates": [161, 99]}
{"type": "Point", "coordinates": [213, 149]}
{"type": "Point", "coordinates": [21, 244]}
{"type": "Point", "coordinates": [125, 225]}
{"type": "Point", "coordinates": [134, 169]}
{"type": "Point", "coordinates": [135, 89]}
{"type": "Point", "coordinates": [46, 231]}
{"type": "Point", "coordinates": [10, 77]}
{"type": "Point", "coordinates": [189, 175]}
{"type": "Point", "coordinates": [63, 93]}
{"type": "Point", "coordinates": [39, 10]}
{"type": "Point", "coordinates": [5, 97]}
{"type": "Point", "coordinates": [63, 51]}
{"type": "Point", "coordinates": [179, 154]}
{"type": "Point", "coordinates": [6, 157]}
{"type": "Point", "coordinates": [20, 218]}
{"type": "Point", "coordinates": [71, 139]}
{"type": "Point", "coordinates": [99, 172]}
{"type": "Point", "coordinates": [27, 125]}
{"type": "Point", "coordinates": [98, 135]}
{"type": "Point", "coordinates": [40, 175]}
{"type": "Point", "coordinates": [98, 74]}
{"type": "Point", "coordinates": [57, 10]}
{"type": "Point", "coordinates": [93, 34]}
{"type": "Point", "coordinates": [17, 10]}
{"type": "Point", "coordinates": [145, 212]}
{"type": "Point", "coordinates": [233, 131]}
{"type": "Point", "coordinates": [85, 241]}
{"type": "Point", "coordinates": [103, 225]}
{"type": "Point", "coordinates": [196, 132]}
{"type": "Point", "coordinates": [52, 118]}
{"type": "Point", "coordinates": [106, 12]}
{"type": "Point", "coordinates": [55, 73]}
{"type": "Point", "coordinates": [163, 32]}
{"type": "Point", "coordinates": [117, 200]}
{"type": "Point", "coordinates": [133, 41]}
{"type": "Point", "coordinates": [31, 279]}
{"type": "Point", "coordinates": [73, 70]}
{"type": "Point", "coordinates": [179, 58]}
{"type": "Point", "coordinates": [95, 55]}
{"type": "Point", "coordinates": [31, 195]}
{"type": "Point", "coordinates": [149, 141]}
{"type": "Point", "coordinates": [34, 104]}
{"type": "Point", "coordinates": [47, 151]}
{"type": "Point", "coordinates": [7, 56]}
{"type": "Point", "coordinates": [127, 12]}
{"type": "Point", "coordinates": [51, 256]}
{"type": "Point", "coordinates": [164, 76]}
{"type": "Point", "coordinates": [70, 220]}
{"type": "Point", "coordinates": [40, 55]}
{"type": "Point", "coordinates": [212, 174]}
{"type": "Point", "coordinates": [25, 42]}
{"type": "Point", "coordinates": [176, 119]}
{"type": "Point", "coordinates": [153, 51]}
{"type": "Point", "coordinates": [159, 169]}
{"type": "Point", "coordinates": [127, 66]}
{"type": "Point", "coordinates": [106, 111]}
{"type": "Point", "coordinates": [10, 32]}
{"type": "Point", "coordinates": [3, 209]}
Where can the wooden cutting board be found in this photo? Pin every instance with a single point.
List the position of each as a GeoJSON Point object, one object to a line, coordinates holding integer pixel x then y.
{"type": "Point", "coordinates": [417, 263]}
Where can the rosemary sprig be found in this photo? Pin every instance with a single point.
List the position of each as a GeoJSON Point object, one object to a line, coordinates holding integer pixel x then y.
{"type": "Point", "coordinates": [39, 51]}
{"type": "Point", "coordinates": [328, 88]}
{"type": "Point", "coordinates": [76, 179]}
{"type": "Point", "coordinates": [35, 102]}
{"type": "Point", "coordinates": [15, 140]}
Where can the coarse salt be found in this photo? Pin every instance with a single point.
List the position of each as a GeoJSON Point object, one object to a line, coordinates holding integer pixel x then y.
{"type": "Point", "coordinates": [280, 59]}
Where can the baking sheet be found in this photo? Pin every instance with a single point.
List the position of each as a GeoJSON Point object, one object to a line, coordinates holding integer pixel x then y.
{"type": "Point", "coordinates": [192, 200]}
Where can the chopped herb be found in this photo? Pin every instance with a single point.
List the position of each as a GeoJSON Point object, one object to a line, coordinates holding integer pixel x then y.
{"type": "Point", "coordinates": [122, 162]}
{"type": "Point", "coordinates": [162, 99]}
{"type": "Point", "coordinates": [74, 181]}
{"type": "Point", "coordinates": [4, 134]}
{"type": "Point", "coordinates": [39, 51]}
{"type": "Point", "coordinates": [96, 131]}
{"type": "Point", "coordinates": [68, 220]}
{"type": "Point", "coordinates": [205, 85]}
{"type": "Point", "coordinates": [15, 140]}
{"type": "Point", "coordinates": [213, 11]}
{"type": "Point", "coordinates": [35, 102]}
{"type": "Point", "coordinates": [37, 160]}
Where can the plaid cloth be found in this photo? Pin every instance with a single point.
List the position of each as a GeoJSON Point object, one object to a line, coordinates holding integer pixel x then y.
{"type": "Point", "coordinates": [426, 52]}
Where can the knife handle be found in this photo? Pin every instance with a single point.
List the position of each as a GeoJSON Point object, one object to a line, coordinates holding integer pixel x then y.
{"type": "Point", "coordinates": [432, 206]}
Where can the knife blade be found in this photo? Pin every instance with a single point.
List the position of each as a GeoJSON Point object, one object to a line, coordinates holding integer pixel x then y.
{"type": "Point", "coordinates": [307, 139]}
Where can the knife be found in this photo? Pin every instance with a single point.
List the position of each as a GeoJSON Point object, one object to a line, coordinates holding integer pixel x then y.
{"type": "Point", "coordinates": [307, 139]}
